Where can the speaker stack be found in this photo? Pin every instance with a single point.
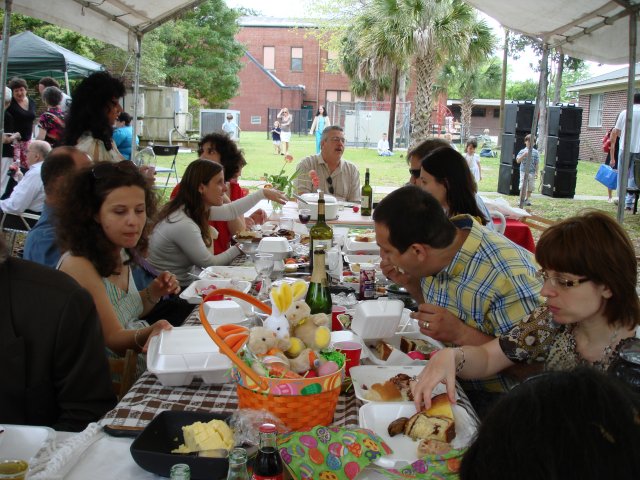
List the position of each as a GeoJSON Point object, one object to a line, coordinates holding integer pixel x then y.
{"type": "Point", "coordinates": [563, 147]}
{"type": "Point", "coordinates": [517, 125]}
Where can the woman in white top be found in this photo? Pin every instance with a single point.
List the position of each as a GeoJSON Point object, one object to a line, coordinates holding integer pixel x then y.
{"type": "Point", "coordinates": [103, 219]}
{"type": "Point", "coordinates": [182, 238]}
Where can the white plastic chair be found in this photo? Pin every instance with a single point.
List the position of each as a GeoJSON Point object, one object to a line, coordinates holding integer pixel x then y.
{"type": "Point", "coordinates": [500, 228]}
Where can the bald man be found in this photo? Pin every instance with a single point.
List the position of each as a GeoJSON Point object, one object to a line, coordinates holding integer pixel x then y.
{"type": "Point", "coordinates": [41, 246]}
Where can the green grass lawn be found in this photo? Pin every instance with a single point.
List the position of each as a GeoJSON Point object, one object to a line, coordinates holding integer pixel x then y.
{"type": "Point", "coordinates": [392, 171]}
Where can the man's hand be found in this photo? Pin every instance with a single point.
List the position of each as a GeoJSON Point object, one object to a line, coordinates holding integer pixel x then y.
{"type": "Point", "coordinates": [438, 323]}
{"type": "Point", "coordinates": [396, 276]}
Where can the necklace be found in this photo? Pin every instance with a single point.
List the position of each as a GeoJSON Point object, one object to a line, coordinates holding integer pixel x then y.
{"type": "Point", "coordinates": [607, 351]}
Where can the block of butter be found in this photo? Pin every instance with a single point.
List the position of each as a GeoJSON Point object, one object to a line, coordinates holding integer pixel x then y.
{"type": "Point", "coordinates": [206, 436]}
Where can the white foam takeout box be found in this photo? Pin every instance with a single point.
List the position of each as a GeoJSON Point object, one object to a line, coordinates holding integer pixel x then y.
{"type": "Point", "coordinates": [221, 312]}
{"type": "Point", "coordinates": [375, 319]}
{"type": "Point", "coordinates": [330, 205]}
{"type": "Point", "coordinates": [179, 355]}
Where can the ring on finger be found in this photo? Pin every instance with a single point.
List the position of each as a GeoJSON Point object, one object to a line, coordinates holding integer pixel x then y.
{"type": "Point", "coordinates": [426, 325]}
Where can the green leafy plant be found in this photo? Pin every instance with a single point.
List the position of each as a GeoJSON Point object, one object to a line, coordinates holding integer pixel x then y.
{"type": "Point", "coordinates": [280, 180]}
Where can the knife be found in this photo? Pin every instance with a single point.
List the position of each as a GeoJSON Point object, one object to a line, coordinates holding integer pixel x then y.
{"type": "Point", "coordinates": [300, 198]}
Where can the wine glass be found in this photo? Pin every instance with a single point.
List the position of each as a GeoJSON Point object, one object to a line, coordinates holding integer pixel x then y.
{"type": "Point", "coordinates": [146, 161]}
{"type": "Point", "coordinates": [263, 263]}
{"type": "Point", "coordinates": [304, 214]}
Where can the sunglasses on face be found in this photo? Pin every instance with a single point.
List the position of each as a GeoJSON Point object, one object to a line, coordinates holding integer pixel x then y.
{"type": "Point", "coordinates": [415, 172]}
{"type": "Point", "coordinates": [330, 183]}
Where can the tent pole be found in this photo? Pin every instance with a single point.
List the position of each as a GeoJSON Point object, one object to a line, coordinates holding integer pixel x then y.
{"type": "Point", "coordinates": [534, 124]}
{"type": "Point", "coordinates": [623, 167]}
{"type": "Point", "coordinates": [66, 82]}
{"type": "Point", "coordinates": [136, 92]}
{"type": "Point", "coordinates": [8, 4]}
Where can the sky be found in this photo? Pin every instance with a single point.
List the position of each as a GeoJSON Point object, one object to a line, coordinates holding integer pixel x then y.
{"type": "Point", "coordinates": [519, 69]}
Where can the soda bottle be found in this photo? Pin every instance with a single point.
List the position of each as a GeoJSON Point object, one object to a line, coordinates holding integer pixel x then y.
{"type": "Point", "coordinates": [238, 464]}
{"type": "Point", "coordinates": [268, 465]}
{"type": "Point", "coordinates": [180, 471]}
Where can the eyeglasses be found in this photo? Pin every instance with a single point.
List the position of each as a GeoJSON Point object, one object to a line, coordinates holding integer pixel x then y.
{"type": "Point", "coordinates": [560, 281]}
{"type": "Point", "coordinates": [338, 139]}
{"type": "Point", "coordinates": [415, 172]}
{"type": "Point", "coordinates": [330, 182]}
{"type": "Point", "coordinates": [106, 169]}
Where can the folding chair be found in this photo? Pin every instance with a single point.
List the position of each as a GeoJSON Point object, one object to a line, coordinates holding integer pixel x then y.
{"type": "Point", "coordinates": [123, 370]}
{"type": "Point", "coordinates": [167, 151]}
{"type": "Point", "coordinates": [537, 222]}
{"type": "Point", "coordinates": [12, 225]}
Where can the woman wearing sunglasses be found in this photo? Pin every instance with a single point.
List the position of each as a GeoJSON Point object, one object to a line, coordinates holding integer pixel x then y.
{"type": "Point", "coordinates": [101, 223]}
{"type": "Point", "coordinates": [592, 309]}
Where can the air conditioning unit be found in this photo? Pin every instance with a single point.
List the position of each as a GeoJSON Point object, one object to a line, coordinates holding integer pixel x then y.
{"type": "Point", "coordinates": [211, 120]}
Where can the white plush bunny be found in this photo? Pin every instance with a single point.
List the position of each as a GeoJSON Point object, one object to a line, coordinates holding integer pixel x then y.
{"type": "Point", "coordinates": [282, 297]}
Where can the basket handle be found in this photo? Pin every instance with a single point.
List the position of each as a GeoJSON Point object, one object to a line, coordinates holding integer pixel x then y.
{"type": "Point", "coordinates": [224, 348]}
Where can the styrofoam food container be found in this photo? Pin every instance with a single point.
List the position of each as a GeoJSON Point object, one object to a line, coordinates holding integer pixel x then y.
{"type": "Point", "coordinates": [191, 293]}
{"type": "Point", "coordinates": [279, 247]}
{"type": "Point", "coordinates": [330, 205]}
{"type": "Point", "coordinates": [363, 376]}
{"type": "Point", "coordinates": [352, 246]}
{"type": "Point", "coordinates": [221, 312]}
{"type": "Point", "coordinates": [397, 356]}
{"type": "Point", "coordinates": [373, 319]}
{"type": "Point", "coordinates": [179, 355]}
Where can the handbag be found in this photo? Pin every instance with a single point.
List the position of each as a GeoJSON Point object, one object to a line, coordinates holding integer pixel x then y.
{"type": "Point", "coordinates": [607, 176]}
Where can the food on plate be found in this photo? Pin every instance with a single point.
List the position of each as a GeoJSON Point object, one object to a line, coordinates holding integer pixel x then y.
{"type": "Point", "coordinates": [436, 423]}
{"type": "Point", "coordinates": [201, 436]}
{"type": "Point", "coordinates": [350, 279]}
{"type": "Point", "coordinates": [396, 389]}
{"type": "Point", "coordinates": [288, 234]}
{"type": "Point", "coordinates": [432, 447]}
{"type": "Point", "coordinates": [365, 237]}
{"type": "Point", "coordinates": [416, 345]}
{"type": "Point", "coordinates": [248, 235]}
{"type": "Point", "coordinates": [203, 292]}
{"type": "Point", "coordinates": [305, 239]}
{"type": "Point", "coordinates": [383, 350]}
{"type": "Point", "coordinates": [397, 426]}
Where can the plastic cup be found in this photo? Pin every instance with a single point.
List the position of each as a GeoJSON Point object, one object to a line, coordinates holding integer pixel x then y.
{"type": "Point", "coordinates": [336, 310]}
{"type": "Point", "coordinates": [352, 351]}
{"type": "Point", "coordinates": [13, 469]}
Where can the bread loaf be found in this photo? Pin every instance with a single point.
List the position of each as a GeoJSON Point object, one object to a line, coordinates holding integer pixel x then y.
{"type": "Point", "coordinates": [416, 345]}
{"type": "Point", "coordinates": [383, 350]}
{"type": "Point", "coordinates": [436, 423]}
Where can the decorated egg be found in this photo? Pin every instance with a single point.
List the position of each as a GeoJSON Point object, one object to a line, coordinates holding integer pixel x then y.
{"type": "Point", "coordinates": [349, 438]}
{"type": "Point", "coordinates": [333, 462]}
{"type": "Point", "coordinates": [337, 449]}
{"type": "Point", "coordinates": [298, 450]}
{"type": "Point", "coordinates": [328, 476]}
{"type": "Point", "coordinates": [285, 455]}
{"type": "Point", "coordinates": [323, 434]}
{"type": "Point", "coordinates": [311, 389]}
{"type": "Point", "coordinates": [284, 389]}
{"type": "Point", "coordinates": [316, 456]}
{"type": "Point", "coordinates": [306, 472]}
{"type": "Point", "coordinates": [351, 469]}
{"type": "Point", "coordinates": [370, 444]}
{"type": "Point", "coordinates": [328, 368]}
{"type": "Point", "coordinates": [355, 449]}
{"type": "Point", "coordinates": [415, 355]}
{"type": "Point", "coordinates": [308, 441]}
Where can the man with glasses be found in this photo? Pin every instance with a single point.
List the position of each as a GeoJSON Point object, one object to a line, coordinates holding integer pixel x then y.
{"type": "Point", "coordinates": [471, 284]}
{"type": "Point", "coordinates": [336, 176]}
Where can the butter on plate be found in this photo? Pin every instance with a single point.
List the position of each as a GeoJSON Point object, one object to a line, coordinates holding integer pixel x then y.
{"type": "Point", "coordinates": [200, 436]}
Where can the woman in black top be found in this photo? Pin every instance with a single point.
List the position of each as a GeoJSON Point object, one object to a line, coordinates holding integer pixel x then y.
{"type": "Point", "coordinates": [23, 110]}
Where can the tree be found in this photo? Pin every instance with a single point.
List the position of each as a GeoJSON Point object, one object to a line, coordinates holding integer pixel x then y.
{"type": "Point", "coordinates": [202, 53]}
{"type": "Point", "coordinates": [525, 90]}
{"type": "Point", "coordinates": [422, 33]}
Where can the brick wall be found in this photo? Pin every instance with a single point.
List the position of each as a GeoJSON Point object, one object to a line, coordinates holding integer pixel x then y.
{"type": "Point", "coordinates": [591, 137]}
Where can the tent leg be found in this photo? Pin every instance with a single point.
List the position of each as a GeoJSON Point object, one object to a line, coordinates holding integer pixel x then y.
{"type": "Point", "coordinates": [623, 163]}
{"type": "Point", "coordinates": [66, 82]}
{"type": "Point", "coordinates": [8, 4]}
{"type": "Point", "coordinates": [136, 92]}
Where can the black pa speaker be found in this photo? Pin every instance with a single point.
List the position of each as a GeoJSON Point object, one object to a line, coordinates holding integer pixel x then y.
{"type": "Point", "coordinates": [509, 179]}
{"type": "Point", "coordinates": [562, 152]}
{"type": "Point", "coordinates": [558, 182]}
{"type": "Point", "coordinates": [564, 121]}
{"type": "Point", "coordinates": [511, 146]}
{"type": "Point", "coordinates": [518, 117]}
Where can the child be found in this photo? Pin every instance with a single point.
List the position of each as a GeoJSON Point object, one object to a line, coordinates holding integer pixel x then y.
{"type": "Point", "coordinates": [533, 167]}
{"type": "Point", "coordinates": [472, 158]}
{"type": "Point", "coordinates": [230, 127]}
{"type": "Point", "coordinates": [275, 136]}
{"type": "Point", "coordinates": [383, 146]}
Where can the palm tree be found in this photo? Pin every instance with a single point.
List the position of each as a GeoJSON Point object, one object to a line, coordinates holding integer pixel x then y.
{"type": "Point", "coordinates": [421, 32]}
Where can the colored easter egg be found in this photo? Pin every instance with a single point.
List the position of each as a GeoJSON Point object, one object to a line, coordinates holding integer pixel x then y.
{"type": "Point", "coordinates": [370, 444]}
{"type": "Point", "coordinates": [323, 434]}
{"type": "Point", "coordinates": [306, 472]}
{"type": "Point", "coordinates": [415, 355]}
{"type": "Point", "coordinates": [328, 368]}
{"type": "Point", "coordinates": [298, 450]}
{"type": "Point", "coordinates": [351, 469]}
{"type": "Point", "coordinates": [285, 455]}
{"type": "Point", "coordinates": [371, 455]}
{"type": "Point", "coordinates": [284, 389]}
{"type": "Point", "coordinates": [348, 438]}
{"type": "Point", "coordinates": [308, 441]}
{"type": "Point", "coordinates": [311, 389]}
{"type": "Point", "coordinates": [337, 449]}
{"type": "Point", "coordinates": [355, 449]}
{"type": "Point", "coordinates": [316, 456]}
{"type": "Point", "coordinates": [333, 462]}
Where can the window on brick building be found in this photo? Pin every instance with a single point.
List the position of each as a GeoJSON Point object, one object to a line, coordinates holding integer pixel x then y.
{"type": "Point", "coordinates": [595, 110]}
{"type": "Point", "coordinates": [296, 59]}
{"type": "Point", "coordinates": [269, 58]}
{"type": "Point", "coordinates": [333, 62]}
{"type": "Point", "coordinates": [338, 96]}
{"type": "Point", "coordinates": [256, 119]}
{"type": "Point", "coordinates": [478, 112]}
{"type": "Point", "coordinates": [496, 113]}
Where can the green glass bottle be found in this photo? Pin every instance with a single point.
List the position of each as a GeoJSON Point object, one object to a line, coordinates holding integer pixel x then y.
{"type": "Point", "coordinates": [320, 233]}
{"type": "Point", "coordinates": [318, 296]}
{"type": "Point", "coordinates": [366, 197]}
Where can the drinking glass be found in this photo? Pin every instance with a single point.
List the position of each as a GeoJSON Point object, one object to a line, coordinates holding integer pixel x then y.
{"type": "Point", "coordinates": [304, 214]}
{"type": "Point", "coordinates": [286, 223]}
{"type": "Point", "coordinates": [146, 161]}
{"type": "Point", "coordinates": [263, 263]}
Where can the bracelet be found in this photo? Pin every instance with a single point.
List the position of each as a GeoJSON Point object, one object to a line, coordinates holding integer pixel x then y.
{"type": "Point", "coordinates": [460, 365]}
{"type": "Point", "coordinates": [147, 294]}
{"type": "Point", "coordinates": [135, 339]}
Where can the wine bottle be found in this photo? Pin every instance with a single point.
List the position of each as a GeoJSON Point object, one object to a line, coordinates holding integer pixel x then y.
{"type": "Point", "coordinates": [366, 197]}
{"type": "Point", "coordinates": [320, 233]}
{"type": "Point", "coordinates": [318, 297]}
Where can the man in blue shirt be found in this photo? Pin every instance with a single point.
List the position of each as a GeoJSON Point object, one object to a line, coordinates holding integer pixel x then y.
{"type": "Point", "coordinates": [40, 245]}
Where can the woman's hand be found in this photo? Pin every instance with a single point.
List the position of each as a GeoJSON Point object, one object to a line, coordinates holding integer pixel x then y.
{"type": "Point", "coordinates": [164, 284]}
{"type": "Point", "coordinates": [275, 195]}
{"type": "Point", "coordinates": [441, 368]}
{"type": "Point", "coordinates": [155, 329]}
{"type": "Point", "coordinates": [256, 218]}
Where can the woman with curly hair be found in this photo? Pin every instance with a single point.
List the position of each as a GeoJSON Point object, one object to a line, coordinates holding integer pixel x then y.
{"type": "Point", "coordinates": [23, 110]}
{"type": "Point", "coordinates": [102, 223]}
{"type": "Point", "coordinates": [92, 115]}
{"type": "Point", "coordinates": [182, 239]}
{"type": "Point", "coordinates": [51, 122]}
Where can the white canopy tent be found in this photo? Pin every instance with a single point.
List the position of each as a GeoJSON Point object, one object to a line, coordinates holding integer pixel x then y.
{"type": "Point", "coordinates": [599, 30]}
{"type": "Point", "coordinates": [120, 23]}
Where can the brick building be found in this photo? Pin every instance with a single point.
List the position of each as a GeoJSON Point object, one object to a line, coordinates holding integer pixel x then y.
{"type": "Point", "coordinates": [602, 98]}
